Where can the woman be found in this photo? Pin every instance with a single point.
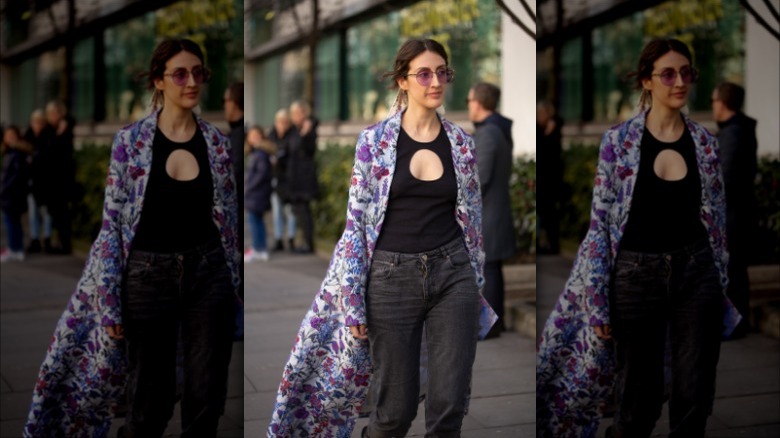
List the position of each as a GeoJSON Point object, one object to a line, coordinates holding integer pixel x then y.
{"type": "Point", "coordinates": [257, 190]}
{"type": "Point", "coordinates": [13, 191]}
{"type": "Point", "coordinates": [386, 279]}
{"type": "Point", "coordinates": [155, 277]}
{"type": "Point", "coordinates": [40, 219]}
{"type": "Point", "coordinates": [652, 264]}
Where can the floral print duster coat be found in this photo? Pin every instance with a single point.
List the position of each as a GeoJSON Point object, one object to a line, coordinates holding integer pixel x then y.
{"type": "Point", "coordinates": [575, 369]}
{"type": "Point", "coordinates": [326, 379]}
{"type": "Point", "coordinates": [84, 373]}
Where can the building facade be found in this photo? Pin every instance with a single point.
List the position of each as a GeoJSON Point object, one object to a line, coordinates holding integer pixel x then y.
{"type": "Point", "coordinates": [335, 58]}
{"type": "Point", "coordinates": [91, 54]}
{"type": "Point", "coordinates": [586, 50]}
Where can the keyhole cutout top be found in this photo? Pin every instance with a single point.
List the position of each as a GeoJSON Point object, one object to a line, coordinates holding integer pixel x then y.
{"type": "Point", "coordinates": [426, 165]}
{"type": "Point", "coordinates": [669, 165]}
{"type": "Point", "coordinates": [182, 165]}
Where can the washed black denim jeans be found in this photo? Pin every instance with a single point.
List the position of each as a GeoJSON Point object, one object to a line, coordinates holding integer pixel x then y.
{"type": "Point", "coordinates": [658, 297]}
{"type": "Point", "coordinates": [433, 291]}
{"type": "Point", "coordinates": [170, 297]}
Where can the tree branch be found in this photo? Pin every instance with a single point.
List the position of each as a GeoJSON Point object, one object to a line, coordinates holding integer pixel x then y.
{"type": "Point", "coordinates": [515, 19]}
{"type": "Point", "coordinates": [772, 10]}
{"type": "Point", "coordinates": [531, 13]}
{"type": "Point", "coordinates": [759, 19]}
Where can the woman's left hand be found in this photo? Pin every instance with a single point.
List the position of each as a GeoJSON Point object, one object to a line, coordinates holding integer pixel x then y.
{"type": "Point", "coordinates": [359, 331]}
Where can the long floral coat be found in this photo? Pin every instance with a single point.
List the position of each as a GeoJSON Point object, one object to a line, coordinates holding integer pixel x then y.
{"type": "Point", "coordinates": [84, 373]}
{"type": "Point", "coordinates": [326, 378]}
{"type": "Point", "coordinates": [575, 369]}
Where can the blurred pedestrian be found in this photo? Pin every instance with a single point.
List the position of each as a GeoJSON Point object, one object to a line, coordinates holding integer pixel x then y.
{"type": "Point", "coordinates": [233, 105]}
{"type": "Point", "coordinates": [156, 277]}
{"type": "Point", "coordinates": [40, 219]}
{"type": "Point", "coordinates": [282, 135]}
{"type": "Point", "coordinates": [13, 191]}
{"type": "Point", "coordinates": [57, 167]}
{"type": "Point", "coordinates": [651, 270]}
{"type": "Point", "coordinates": [549, 176]}
{"type": "Point", "coordinates": [302, 171]}
{"type": "Point", "coordinates": [410, 260]}
{"type": "Point", "coordinates": [257, 192]}
{"type": "Point", "coordinates": [738, 147]}
{"type": "Point", "coordinates": [492, 139]}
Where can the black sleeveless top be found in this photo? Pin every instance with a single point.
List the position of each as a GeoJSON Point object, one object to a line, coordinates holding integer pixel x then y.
{"type": "Point", "coordinates": [664, 215]}
{"type": "Point", "coordinates": [176, 215]}
{"type": "Point", "coordinates": [420, 214]}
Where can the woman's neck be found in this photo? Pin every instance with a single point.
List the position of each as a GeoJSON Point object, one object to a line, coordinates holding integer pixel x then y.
{"type": "Point", "coordinates": [176, 122]}
{"type": "Point", "coordinates": [665, 124]}
{"type": "Point", "coordinates": [421, 123]}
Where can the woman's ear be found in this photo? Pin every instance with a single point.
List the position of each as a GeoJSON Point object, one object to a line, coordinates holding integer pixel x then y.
{"type": "Point", "coordinates": [159, 84]}
{"type": "Point", "coordinates": [403, 83]}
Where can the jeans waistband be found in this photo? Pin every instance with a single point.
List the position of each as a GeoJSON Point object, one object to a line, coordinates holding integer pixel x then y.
{"type": "Point", "coordinates": [454, 246]}
{"type": "Point", "coordinates": [198, 251]}
{"type": "Point", "coordinates": [686, 251]}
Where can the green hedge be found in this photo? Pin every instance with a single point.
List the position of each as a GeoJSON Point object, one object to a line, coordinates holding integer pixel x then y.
{"type": "Point", "coordinates": [335, 165]}
{"type": "Point", "coordinates": [580, 166]}
{"type": "Point", "coordinates": [335, 161]}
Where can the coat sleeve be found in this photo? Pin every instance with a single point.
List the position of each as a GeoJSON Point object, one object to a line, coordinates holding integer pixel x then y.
{"type": "Point", "coordinates": [486, 143]}
{"type": "Point", "coordinates": [470, 212]}
{"type": "Point", "coordinates": [717, 192]}
{"type": "Point", "coordinates": [593, 258]}
{"type": "Point", "coordinates": [355, 255]}
{"type": "Point", "coordinates": [106, 252]}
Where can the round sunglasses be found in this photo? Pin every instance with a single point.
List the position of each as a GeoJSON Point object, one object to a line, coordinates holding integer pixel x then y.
{"type": "Point", "coordinates": [181, 76]}
{"type": "Point", "coordinates": [669, 75]}
{"type": "Point", "coordinates": [424, 77]}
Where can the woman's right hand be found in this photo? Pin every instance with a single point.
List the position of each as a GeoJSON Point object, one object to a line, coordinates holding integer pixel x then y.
{"type": "Point", "coordinates": [359, 331]}
{"type": "Point", "coordinates": [603, 332]}
{"type": "Point", "coordinates": [116, 332]}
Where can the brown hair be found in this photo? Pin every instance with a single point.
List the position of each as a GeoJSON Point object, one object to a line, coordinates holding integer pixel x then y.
{"type": "Point", "coordinates": [236, 92]}
{"type": "Point", "coordinates": [652, 51]}
{"type": "Point", "coordinates": [731, 94]}
{"type": "Point", "coordinates": [165, 51]}
{"type": "Point", "coordinates": [408, 51]}
{"type": "Point", "coordinates": [487, 95]}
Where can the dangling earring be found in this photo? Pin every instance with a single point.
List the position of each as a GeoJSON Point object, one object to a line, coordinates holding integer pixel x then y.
{"type": "Point", "coordinates": [399, 103]}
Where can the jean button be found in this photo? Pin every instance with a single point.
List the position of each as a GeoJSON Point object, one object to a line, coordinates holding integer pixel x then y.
{"type": "Point", "coordinates": [425, 257]}
{"type": "Point", "coordinates": [668, 258]}
{"type": "Point", "coordinates": [180, 257]}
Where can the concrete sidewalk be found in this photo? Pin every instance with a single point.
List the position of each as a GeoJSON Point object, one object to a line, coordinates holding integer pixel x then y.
{"type": "Point", "coordinates": [33, 295]}
{"type": "Point", "coordinates": [279, 292]}
{"type": "Point", "coordinates": [747, 393]}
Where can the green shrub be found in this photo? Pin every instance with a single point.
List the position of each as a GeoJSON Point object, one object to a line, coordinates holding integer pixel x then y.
{"type": "Point", "coordinates": [91, 170]}
{"type": "Point", "coordinates": [580, 167]}
{"type": "Point", "coordinates": [522, 190]}
{"type": "Point", "coordinates": [334, 165]}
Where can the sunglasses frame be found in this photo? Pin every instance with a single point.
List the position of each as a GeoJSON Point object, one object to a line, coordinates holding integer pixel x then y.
{"type": "Point", "coordinates": [449, 75]}
{"type": "Point", "coordinates": [693, 75]}
{"type": "Point", "coordinates": [204, 76]}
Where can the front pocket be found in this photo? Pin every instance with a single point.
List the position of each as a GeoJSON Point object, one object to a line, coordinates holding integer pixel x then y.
{"type": "Point", "coordinates": [381, 269]}
{"type": "Point", "coordinates": [459, 260]}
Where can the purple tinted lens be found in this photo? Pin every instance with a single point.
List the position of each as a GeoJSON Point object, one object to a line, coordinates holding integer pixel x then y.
{"type": "Point", "coordinates": [424, 78]}
{"type": "Point", "coordinates": [668, 77]}
{"type": "Point", "coordinates": [180, 77]}
{"type": "Point", "coordinates": [687, 75]}
{"type": "Point", "coordinates": [198, 75]}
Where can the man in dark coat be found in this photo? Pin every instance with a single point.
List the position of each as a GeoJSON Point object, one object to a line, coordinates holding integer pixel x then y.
{"type": "Point", "coordinates": [738, 146]}
{"type": "Point", "coordinates": [301, 171]}
{"type": "Point", "coordinates": [493, 139]}
{"type": "Point", "coordinates": [56, 162]}
{"type": "Point", "coordinates": [549, 175]}
{"type": "Point", "coordinates": [233, 103]}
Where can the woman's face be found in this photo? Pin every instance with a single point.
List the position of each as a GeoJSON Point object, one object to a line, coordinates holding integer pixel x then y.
{"type": "Point", "coordinates": [37, 124]}
{"type": "Point", "coordinates": [182, 81]}
{"type": "Point", "coordinates": [254, 137]}
{"type": "Point", "coordinates": [667, 92]}
{"type": "Point", "coordinates": [10, 137]}
{"type": "Point", "coordinates": [431, 95]}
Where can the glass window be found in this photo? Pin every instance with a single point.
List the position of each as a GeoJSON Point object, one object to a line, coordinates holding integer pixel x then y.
{"type": "Point", "coordinates": [571, 80]}
{"type": "Point", "coordinates": [469, 30]}
{"type": "Point", "coordinates": [266, 98]}
{"type": "Point", "coordinates": [128, 48]}
{"type": "Point", "coordinates": [83, 103]}
{"type": "Point", "coordinates": [328, 89]}
{"type": "Point", "coordinates": [23, 92]}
